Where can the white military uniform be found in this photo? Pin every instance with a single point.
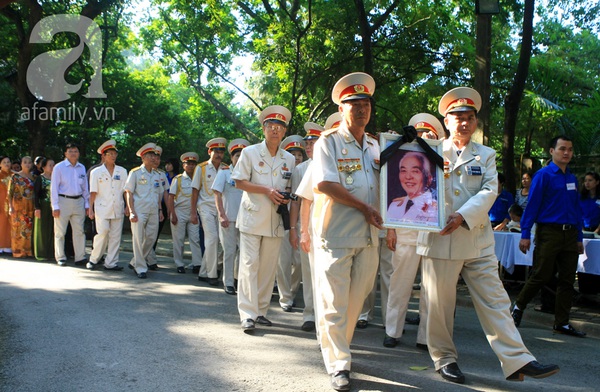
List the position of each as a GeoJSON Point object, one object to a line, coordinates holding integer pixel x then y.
{"type": "Point", "coordinates": [385, 270]}
{"type": "Point", "coordinates": [308, 314]}
{"type": "Point", "coordinates": [423, 209]}
{"type": "Point", "coordinates": [164, 187]}
{"type": "Point", "coordinates": [405, 263]}
{"type": "Point", "coordinates": [109, 209]}
{"type": "Point", "coordinates": [181, 188]}
{"type": "Point", "coordinates": [345, 244]}
{"type": "Point", "coordinates": [470, 189]}
{"type": "Point", "coordinates": [147, 189]}
{"type": "Point", "coordinates": [230, 236]}
{"type": "Point", "coordinates": [204, 176]}
{"type": "Point", "coordinates": [261, 227]}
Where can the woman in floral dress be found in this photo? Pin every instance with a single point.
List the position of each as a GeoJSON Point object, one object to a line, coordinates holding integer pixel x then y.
{"type": "Point", "coordinates": [20, 199]}
{"type": "Point", "coordinates": [5, 174]}
{"type": "Point", "coordinates": [43, 226]}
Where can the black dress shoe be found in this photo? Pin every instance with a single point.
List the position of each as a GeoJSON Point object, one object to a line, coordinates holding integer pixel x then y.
{"type": "Point", "coordinates": [308, 326]}
{"type": "Point", "coordinates": [142, 275]}
{"type": "Point", "coordinates": [533, 369]}
{"type": "Point", "coordinates": [229, 290]}
{"type": "Point", "coordinates": [202, 278]}
{"type": "Point", "coordinates": [340, 381]}
{"type": "Point", "coordinates": [248, 325]}
{"type": "Point", "coordinates": [362, 324]}
{"type": "Point", "coordinates": [262, 320]}
{"type": "Point", "coordinates": [213, 281]}
{"type": "Point", "coordinates": [569, 330]}
{"type": "Point", "coordinates": [130, 266]}
{"type": "Point", "coordinates": [181, 270]}
{"type": "Point", "coordinates": [115, 268]}
{"type": "Point", "coordinates": [422, 346]}
{"type": "Point", "coordinates": [196, 269]}
{"type": "Point", "coordinates": [81, 262]}
{"type": "Point", "coordinates": [286, 308]}
{"type": "Point", "coordinates": [389, 341]}
{"type": "Point", "coordinates": [517, 315]}
{"type": "Point", "coordinates": [452, 373]}
{"type": "Point", "coordinates": [152, 267]}
{"type": "Point", "coordinates": [412, 320]}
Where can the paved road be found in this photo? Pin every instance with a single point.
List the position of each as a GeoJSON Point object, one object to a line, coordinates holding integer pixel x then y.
{"type": "Point", "coordinates": [69, 329]}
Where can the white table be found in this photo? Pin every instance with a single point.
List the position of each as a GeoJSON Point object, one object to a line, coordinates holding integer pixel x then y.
{"type": "Point", "coordinates": [507, 251]}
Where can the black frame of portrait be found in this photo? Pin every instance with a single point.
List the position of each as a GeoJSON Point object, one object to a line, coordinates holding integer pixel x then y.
{"type": "Point", "coordinates": [390, 187]}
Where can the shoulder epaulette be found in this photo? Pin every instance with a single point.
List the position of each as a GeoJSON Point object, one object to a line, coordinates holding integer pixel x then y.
{"type": "Point", "coordinates": [224, 166]}
{"type": "Point", "coordinates": [329, 132]}
{"type": "Point", "coordinates": [179, 175]}
{"type": "Point", "coordinates": [203, 163]}
{"type": "Point", "coordinates": [160, 171]}
{"type": "Point", "coordinates": [135, 169]}
{"type": "Point", "coordinates": [371, 135]}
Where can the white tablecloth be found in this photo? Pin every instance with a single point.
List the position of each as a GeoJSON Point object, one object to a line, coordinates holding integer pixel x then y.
{"type": "Point", "coordinates": [507, 251]}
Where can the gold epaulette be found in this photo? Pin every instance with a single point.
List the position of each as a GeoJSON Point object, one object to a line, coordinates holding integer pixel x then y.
{"type": "Point", "coordinates": [203, 163]}
{"type": "Point", "coordinates": [224, 166]}
{"type": "Point", "coordinates": [135, 169]}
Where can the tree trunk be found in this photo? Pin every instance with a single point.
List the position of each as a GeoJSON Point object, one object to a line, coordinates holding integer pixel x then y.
{"type": "Point", "coordinates": [483, 71]}
{"type": "Point", "coordinates": [513, 99]}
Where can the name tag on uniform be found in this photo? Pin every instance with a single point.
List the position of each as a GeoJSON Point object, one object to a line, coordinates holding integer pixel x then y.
{"type": "Point", "coordinates": [232, 183]}
{"type": "Point", "coordinates": [286, 175]}
{"type": "Point", "coordinates": [156, 184]}
{"type": "Point", "coordinates": [474, 170]}
{"type": "Point", "coordinates": [571, 186]}
{"type": "Point", "coordinates": [117, 177]}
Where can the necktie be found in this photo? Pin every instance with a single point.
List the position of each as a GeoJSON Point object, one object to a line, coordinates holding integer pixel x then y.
{"type": "Point", "coordinates": [408, 205]}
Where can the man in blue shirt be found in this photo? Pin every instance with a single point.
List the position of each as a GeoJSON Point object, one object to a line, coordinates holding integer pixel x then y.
{"type": "Point", "coordinates": [499, 212]}
{"type": "Point", "coordinates": [553, 205]}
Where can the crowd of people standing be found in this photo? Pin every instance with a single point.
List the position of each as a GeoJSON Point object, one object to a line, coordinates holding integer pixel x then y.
{"type": "Point", "coordinates": [305, 210]}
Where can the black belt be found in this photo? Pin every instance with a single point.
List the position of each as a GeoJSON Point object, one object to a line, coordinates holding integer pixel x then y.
{"type": "Point", "coordinates": [558, 226]}
{"type": "Point", "coordinates": [70, 197]}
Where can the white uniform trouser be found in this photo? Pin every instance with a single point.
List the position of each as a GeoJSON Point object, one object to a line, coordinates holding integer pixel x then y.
{"type": "Point", "coordinates": [108, 238]}
{"type": "Point", "coordinates": [307, 288]}
{"type": "Point", "coordinates": [178, 233]}
{"type": "Point", "coordinates": [210, 224]}
{"type": "Point", "coordinates": [344, 277]}
{"type": "Point", "coordinates": [405, 264]}
{"type": "Point", "coordinates": [143, 235]}
{"type": "Point", "coordinates": [230, 242]}
{"type": "Point", "coordinates": [258, 263]}
{"type": "Point", "coordinates": [385, 271]}
{"type": "Point", "coordinates": [73, 211]}
{"type": "Point", "coordinates": [289, 272]}
{"type": "Point", "coordinates": [491, 303]}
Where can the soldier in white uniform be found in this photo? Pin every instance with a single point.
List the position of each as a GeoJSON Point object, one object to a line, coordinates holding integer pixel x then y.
{"type": "Point", "coordinates": [203, 200]}
{"type": "Point", "coordinates": [107, 207]}
{"type": "Point", "coordinates": [313, 131]}
{"type": "Point", "coordinates": [346, 221]}
{"type": "Point", "coordinates": [144, 190]}
{"type": "Point", "coordinates": [164, 197]}
{"type": "Point", "coordinates": [263, 171]}
{"type": "Point", "coordinates": [406, 261]}
{"type": "Point", "coordinates": [465, 247]}
{"type": "Point", "coordinates": [289, 269]}
{"type": "Point", "coordinates": [228, 199]}
{"type": "Point", "coordinates": [180, 207]}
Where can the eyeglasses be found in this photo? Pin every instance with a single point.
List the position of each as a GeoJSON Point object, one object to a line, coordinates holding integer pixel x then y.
{"type": "Point", "coordinates": [274, 127]}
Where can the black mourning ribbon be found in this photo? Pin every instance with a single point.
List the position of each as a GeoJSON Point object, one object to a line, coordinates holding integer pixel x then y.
{"type": "Point", "coordinates": [410, 134]}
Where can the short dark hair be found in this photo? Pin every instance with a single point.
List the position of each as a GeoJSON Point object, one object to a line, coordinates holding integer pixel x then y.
{"type": "Point", "coordinates": [45, 161]}
{"type": "Point", "coordinates": [555, 140]}
{"type": "Point", "coordinates": [71, 145]}
{"type": "Point", "coordinates": [501, 178]}
{"type": "Point", "coordinates": [516, 209]}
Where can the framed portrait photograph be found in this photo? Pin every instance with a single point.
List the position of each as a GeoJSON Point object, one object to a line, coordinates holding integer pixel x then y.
{"type": "Point", "coordinates": [412, 187]}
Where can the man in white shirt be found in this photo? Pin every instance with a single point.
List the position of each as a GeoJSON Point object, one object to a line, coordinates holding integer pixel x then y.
{"type": "Point", "coordinates": [107, 207]}
{"type": "Point", "coordinates": [69, 199]}
{"type": "Point", "coordinates": [227, 200]}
